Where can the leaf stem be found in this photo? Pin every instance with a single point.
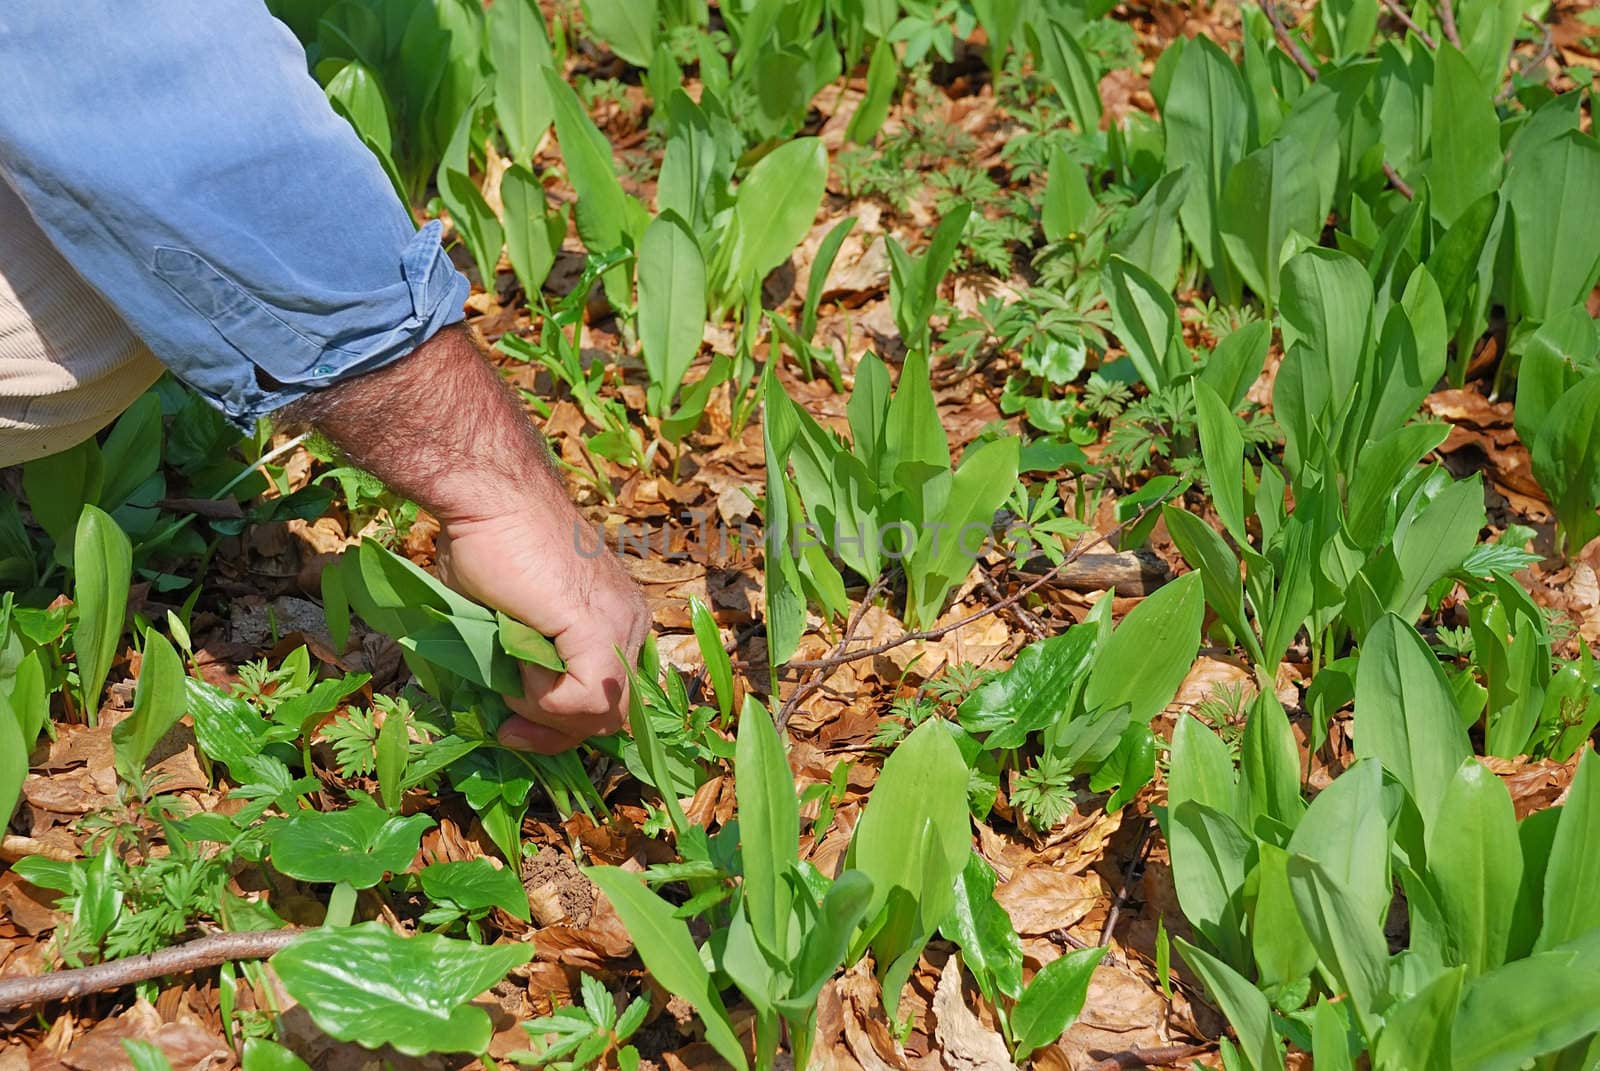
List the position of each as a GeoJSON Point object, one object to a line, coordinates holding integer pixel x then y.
{"type": "Point", "coordinates": [341, 905]}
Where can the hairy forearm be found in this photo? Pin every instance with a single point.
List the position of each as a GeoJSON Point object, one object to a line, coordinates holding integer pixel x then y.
{"type": "Point", "coordinates": [442, 428]}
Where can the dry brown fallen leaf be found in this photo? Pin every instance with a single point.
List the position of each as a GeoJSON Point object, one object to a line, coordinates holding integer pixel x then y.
{"type": "Point", "coordinates": [1040, 900]}
{"type": "Point", "coordinates": [965, 1043]}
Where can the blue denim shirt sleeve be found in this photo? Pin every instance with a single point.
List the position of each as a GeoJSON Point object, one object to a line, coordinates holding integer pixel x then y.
{"type": "Point", "coordinates": [182, 159]}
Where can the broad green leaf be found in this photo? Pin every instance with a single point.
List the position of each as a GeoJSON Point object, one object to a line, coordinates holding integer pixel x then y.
{"type": "Point", "coordinates": [785, 599]}
{"type": "Point", "coordinates": [669, 953]}
{"type": "Point", "coordinates": [1525, 1009]}
{"type": "Point", "coordinates": [393, 751]}
{"type": "Point", "coordinates": [1283, 952]}
{"type": "Point", "coordinates": [1237, 361]}
{"type": "Point", "coordinates": [1053, 999]}
{"type": "Point", "coordinates": [1564, 349]}
{"type": "Point", "coordinates": [60, 486]}
{"type": "Point", "coordinates": [1475, 859]}
{"type": "Point", "coordinates": [1573, 872]}
{"type": "Point", "coordinates": [1062, 59]}
{"type": "Point", "coordinates": [1405, 714]}
{"type": "Point", "coordinates": [1346, 831]}
{"type": "Point", "coordinates": [916, 452]}
{"type": "Point", "coordinates": [1380, 469]}
{"type": "Point", "coordinates": [1487, 29]}
{"type": "Point", "coordinates": [1330, 1037]}
{"type": "Point", "coordinates": [1327, 308]}
{"type": "Point", "coordinates": [263, 1055]}
{"type": "Point", "coordinates": [1150, 653]}
{"type": "Point", "coordinates": [356, 846]}
{"type": "Point", "coordinates": [1269, 764]}
{"type": "Point", "coordinates": [914, 280]}
{"type": "Point", "coordinates": [769, 827]}
{"type": "Point", "coordinates": [1409, 357]}
{"type": "Point", "coordinates": [1428, 544]}
{"type": "Point", "coordinates": [103, 565]}
{"type": "Point", "coordinates": [1146, 321]}
{"type": "Point", "coordinates": [825, 944]}
{"type": "Point", "coordinates": [1268, 195]}
{"type": "Point", "coordinates": [1244, 1005]}
{"type": "Point", "coordinates": [533, 232]}
{"type": "Point", "coordinates": [519, 49]}
{"type": "Point", "coordinates": [979, 923]}
{"type": "Point", "coordinates": [1211, 855]}
{"type": "Point", "coordinates": [356, 93]}
{"type": "Point", "coordinates": [718, 665]}
{"type": "Point", "coordinates": [1201, 769]}
{"type": "Point", "coordinates": [586, 154]}
{"type": "Point", "coordinates": [672, 306]}
{"type": "Point", "coordinates": [369, 985]}
{"type": "Point", "coordinates": [475, 221]}
{"type": "Point", "coordinates": [466, 646]}
{"type": "Point", "coordinates": [1209, 555]}
{"type": "Point", "coordinates": [982, 483]}
{"type": "Point", "coordinates": [1205, 115]}
{"type": "Point", "coordinates": [1345, 27]}
{"type": "Point", "coordinates": [628, 26]}
{"type": "Point", "coordinates": [883, 72]}
{"type": "Point", "coordinates": [1222, 448]}
{"type": "Point", "coordinates": [13, 761]}
{"type": "Point", "coordinates": [159, 700]}
{"type": "Point", "coordinates": [1467, 158]}
{"type": "Point", "coordinates": [912, 841]}
{"type": "Point", "coordinates": [1416, 1035]}
{"type": "Point", "coordinates": [1150, 237]}
{"type": "Point", "coordinates": [1566, 462]}
{"type": "Point", "coordinates": [1068, 204]}
{"type": "Point", "coordinates": [774, 209]}
{"type": "Point", "coordinates": [527, 644]}
{"type": "Point", "coordinates": [1552, 193]}
{"type": "Point", "coordinates": [475, 884]}
{"type": "Point", "coordinates": [1346, 936]}
{"type": "Point", "coordinates": [132, 452]}
{"type": "Point", "coordinates": [1030, 695]}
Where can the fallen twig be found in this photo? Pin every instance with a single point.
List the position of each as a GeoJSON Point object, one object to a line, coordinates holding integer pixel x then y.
{"type": "Point", "coordinates": [180, 959]}
{"type": "Point", "coordinates": [1029, 623]}
{"type": "Point", "coordinates": [840, 657]}
{"type": "Point", "coordinates": [1301, 60]}
{"type": "Point", "coordinates": [1166, 1056]}
{"type": "Point", "coordinates": [1447, 22]}
{"type": "Point", "coordinates": [1409, 23]}
{"type": "Point", "coordinates": [1128, 878]}
{"type": "Point", "coordinates": [806, 687]}
{"type": "Point", "coordinates": [1546, 47]}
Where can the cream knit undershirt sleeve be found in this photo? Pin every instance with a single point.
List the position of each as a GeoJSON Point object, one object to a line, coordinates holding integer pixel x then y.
{"type": "Point", "coordinates": [68, 363]}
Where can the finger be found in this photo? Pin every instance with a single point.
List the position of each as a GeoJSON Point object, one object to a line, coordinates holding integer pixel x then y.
{"type": "Point", "coordinates": [524, 735]}
{"type": "Point", "coordinates": [593, 690]}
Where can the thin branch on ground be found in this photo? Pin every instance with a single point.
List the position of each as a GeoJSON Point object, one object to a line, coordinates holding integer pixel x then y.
{"type": "Point", "coordinates": [806, 687]}
{"type": "Point", "coordinates": [1546, 48]}
{"type": "Point", "coordinates": [1447, 22]}
{"type": "Point", "coordinates": [1287, 42]}
{"type": "Point", "coordinates": [1129, 876]}
{"type": "Point", "coordinates": [1409, 23]}
{"type": "Point", "coordinates": [1303, 61]}
{"type": "Point", "coordinates": [1166, 1056]}
{"type": "Point", "coordinates": [196, 955]}
{"type": "Point", "coordinates": [1079, 549]}
{"type": "Point", "coordinates": [1029, 623]}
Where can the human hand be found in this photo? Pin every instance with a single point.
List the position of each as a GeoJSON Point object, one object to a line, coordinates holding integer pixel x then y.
{"type": "Point", "coordinates": [440, 427]}
{"type": "Point", "coordinates": [545, 566]}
